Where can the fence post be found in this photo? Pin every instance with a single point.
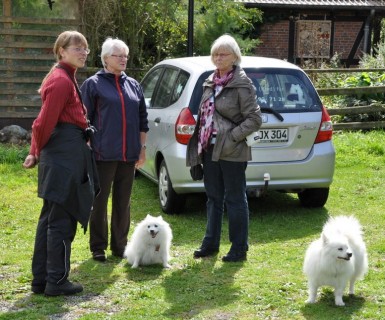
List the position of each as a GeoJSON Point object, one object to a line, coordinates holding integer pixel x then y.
{"type": "Point", "coordinates": [7, 12]}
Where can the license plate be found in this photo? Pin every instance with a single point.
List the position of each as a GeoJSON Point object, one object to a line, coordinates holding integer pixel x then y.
{"type": "Point", "coordinates": [273, 135]}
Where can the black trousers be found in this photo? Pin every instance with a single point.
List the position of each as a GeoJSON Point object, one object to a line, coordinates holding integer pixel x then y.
{"type": "Point", "coordinates": [120, 176]}
{"type": "Point", "coordinates": [55, 232]}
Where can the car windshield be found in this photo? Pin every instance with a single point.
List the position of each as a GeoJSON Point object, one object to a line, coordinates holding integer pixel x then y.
{"type": "Point", "coordinates": [282, 90]}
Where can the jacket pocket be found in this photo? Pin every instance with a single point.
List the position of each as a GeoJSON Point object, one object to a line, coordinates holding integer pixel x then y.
{"type": "Point", "coordinates": [231, 148]}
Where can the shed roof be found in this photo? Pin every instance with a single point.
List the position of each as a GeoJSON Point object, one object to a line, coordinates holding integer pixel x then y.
{"type": "Point", "coordinates": [321, 4]}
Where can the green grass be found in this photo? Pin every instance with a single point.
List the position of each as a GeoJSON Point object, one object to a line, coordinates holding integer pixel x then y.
{"type": "Point", "coordinates": [270, 285]}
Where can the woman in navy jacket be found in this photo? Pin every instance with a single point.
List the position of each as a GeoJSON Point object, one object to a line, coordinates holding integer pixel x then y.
{"type": "Point", "coordinates": [116, 108]}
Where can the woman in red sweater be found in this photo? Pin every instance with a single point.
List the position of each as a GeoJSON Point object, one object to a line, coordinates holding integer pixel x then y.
{"type": "Point", "coordinates": [67, 180]}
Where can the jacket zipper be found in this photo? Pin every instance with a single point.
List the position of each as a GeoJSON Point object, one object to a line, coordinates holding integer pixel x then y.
{"type": "Point", "coordinates": [124, 126]}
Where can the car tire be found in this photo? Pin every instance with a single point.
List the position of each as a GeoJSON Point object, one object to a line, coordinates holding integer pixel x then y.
{"type": "Point", "coordinates": [169, 200]}
{"type": "Point", "coordinates": [313, 198]}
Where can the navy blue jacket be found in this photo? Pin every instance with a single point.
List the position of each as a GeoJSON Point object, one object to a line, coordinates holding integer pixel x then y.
{"type": "Point", "coordinates": [116, 108]}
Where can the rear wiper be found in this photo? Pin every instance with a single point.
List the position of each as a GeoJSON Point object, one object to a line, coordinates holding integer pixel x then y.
{"type": "Point", "coordinates": [270, 110]}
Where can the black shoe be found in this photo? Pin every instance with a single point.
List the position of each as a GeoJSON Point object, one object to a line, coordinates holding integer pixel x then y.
{"type": "Point", "coordinates": [99, 255]}
{"type": "Point", "coordinates": [205, 252]}
{"type": "Point", "coordinates": [234, 257]}
{"type": "Point", "coordinates": [38, 288]}
{"type": "Point", "coordinates": [118, 254]}
{"type": "Point", "coordinates": [66, 288]}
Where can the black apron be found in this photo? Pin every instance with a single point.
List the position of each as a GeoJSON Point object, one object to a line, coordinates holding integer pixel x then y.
{"type": "Point", "coordinates": [67, 172]}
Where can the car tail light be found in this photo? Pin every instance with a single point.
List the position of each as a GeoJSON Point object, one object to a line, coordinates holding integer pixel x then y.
{"type": "Point", "coordinates": [325, 131]}
{"type": "Point", "coordinates": [184, 126]}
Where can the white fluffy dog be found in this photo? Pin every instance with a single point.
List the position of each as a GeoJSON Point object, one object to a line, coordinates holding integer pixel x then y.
{"type": "Point", "coordinates": [150, 243]}
{"type": "Point", "coordinates": [337, 257]}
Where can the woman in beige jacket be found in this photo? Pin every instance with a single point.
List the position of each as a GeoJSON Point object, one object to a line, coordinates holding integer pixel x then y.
{"type": "Point", "coordinates": [228, 114]}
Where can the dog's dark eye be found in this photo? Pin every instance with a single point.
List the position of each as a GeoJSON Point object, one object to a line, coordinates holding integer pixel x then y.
{"type": "Point", "coordinates": [156, 226]}
{"type": "Point", "coordinates": [148, 227]}
{"type": "Point", "coordinates": [340, 249]}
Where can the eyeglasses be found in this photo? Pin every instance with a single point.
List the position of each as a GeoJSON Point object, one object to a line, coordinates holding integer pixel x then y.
{"type": "Point", "coordinates": [80, 50]}
{"type": "Point", "coordinates": [121, 57]}
{"type": "Point", "coordinates": [221, 55]}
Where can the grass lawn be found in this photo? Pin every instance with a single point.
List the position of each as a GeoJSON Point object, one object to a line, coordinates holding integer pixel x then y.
{"type": "Point", "coordinates": [269, 285]}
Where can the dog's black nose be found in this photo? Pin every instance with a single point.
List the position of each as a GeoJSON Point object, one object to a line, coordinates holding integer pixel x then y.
{"type": "Point", "coordinates": [350, 254]}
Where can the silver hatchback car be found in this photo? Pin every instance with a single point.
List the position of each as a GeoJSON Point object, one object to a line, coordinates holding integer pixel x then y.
{"type": "Point", "coordinates": [295, 152]}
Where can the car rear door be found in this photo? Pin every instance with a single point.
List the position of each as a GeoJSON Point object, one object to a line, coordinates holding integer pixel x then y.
{"type": "Point", "coordinates": [162, 87]}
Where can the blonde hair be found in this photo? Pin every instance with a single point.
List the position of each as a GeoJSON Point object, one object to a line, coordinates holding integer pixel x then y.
{"type": "Point", "coordinates": [64, 40]}
{"type": "Point", "coordinates": [228, 43]}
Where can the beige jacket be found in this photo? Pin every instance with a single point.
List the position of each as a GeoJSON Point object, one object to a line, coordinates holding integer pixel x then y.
{"type": "Point", "coordinates": [238, 115]}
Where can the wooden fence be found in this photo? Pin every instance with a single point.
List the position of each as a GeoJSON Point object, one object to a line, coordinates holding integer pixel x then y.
{"type": "Point", "coordinates": [25, 57]}
{"type": "Point", "coordinates": [367, 125]}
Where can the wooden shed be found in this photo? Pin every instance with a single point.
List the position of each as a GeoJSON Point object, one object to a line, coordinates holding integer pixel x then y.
{"type": "Point", "coordinates": [25, 57]}
{"type": "Point", "coordinates": [317, 29]}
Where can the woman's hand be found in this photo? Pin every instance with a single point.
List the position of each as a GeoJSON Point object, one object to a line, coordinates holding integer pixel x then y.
{"type": "Point", "coordinates": [30, 161]}
{"type": "Point", "coordinates": [142, 158]}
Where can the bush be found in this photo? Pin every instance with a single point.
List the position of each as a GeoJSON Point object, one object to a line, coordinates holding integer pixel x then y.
{"type": "Point", "coordinates": [12, 154]}
{"type": "Point", "coordinates": [363, 79]}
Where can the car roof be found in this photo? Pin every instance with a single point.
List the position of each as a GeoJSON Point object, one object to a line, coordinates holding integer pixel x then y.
{"type": "Point", "coordinates": [203, 63]}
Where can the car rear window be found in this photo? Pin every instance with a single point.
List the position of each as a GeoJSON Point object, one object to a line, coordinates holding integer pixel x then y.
{"type": "Point", "coordinates": [283, 90]}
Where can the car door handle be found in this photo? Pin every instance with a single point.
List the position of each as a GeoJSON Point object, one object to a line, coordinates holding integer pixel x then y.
{"type": "Point", "coordinates": [157, 120]}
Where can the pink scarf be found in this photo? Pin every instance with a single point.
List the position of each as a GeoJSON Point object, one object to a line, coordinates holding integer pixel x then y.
{"type": "Point", "coordinates": [207, 111]}
{"type": "Point", "coordinates": [206, 124]}
{"type": "Point", "coordinates": [225, 79]}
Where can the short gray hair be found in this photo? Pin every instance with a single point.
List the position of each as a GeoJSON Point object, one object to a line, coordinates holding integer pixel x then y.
{"type": "Point", "coordinates": [109, 45]}
{"type": "Point", "coordinates": [226, 42]}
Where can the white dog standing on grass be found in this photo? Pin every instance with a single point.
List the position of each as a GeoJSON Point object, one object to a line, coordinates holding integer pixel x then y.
{"type": "Point", "coordinates": [150, 243]}
{"type": "Point", "coordinates": [337, 257]}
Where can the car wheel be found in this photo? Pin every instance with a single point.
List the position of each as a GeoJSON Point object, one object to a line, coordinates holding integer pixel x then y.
{"type": "Point", "coordinates": [313, 198]}
{"type": "Point", "coordinates": [169, 200]}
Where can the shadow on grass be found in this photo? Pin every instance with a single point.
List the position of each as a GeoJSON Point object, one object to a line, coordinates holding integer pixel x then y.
{"type": "Point", "coordinates": [96, 278]}
{"type": "Point", "coordinates": [325, 309]}
{"type": "Point", "coordinates": [276, 216]}
{"type": "Point", "coordinates": [143, 273]}
{"type": "Point", "coordinates": [200, 286]}
{"type": "Point", "coordinates": [279, 216]}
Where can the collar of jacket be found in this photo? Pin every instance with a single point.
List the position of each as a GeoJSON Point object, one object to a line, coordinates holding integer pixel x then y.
{"type": "Point", "coordinates": [70, 70]}
{"type": "Point", "coordinates": [110, 75]}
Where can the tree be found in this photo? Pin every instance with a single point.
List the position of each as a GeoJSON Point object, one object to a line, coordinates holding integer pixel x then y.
{"type": "Point", "coordinates": [150, 28]}
{"type": "Point", "coordinates": [40, 9]}
{"type": "Point", "coordinates": [216, 17]}
{"type": "Point", "coordinates": [156, 29]}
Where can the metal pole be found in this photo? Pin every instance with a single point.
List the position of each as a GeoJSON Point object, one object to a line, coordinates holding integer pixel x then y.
{"type": "Point", "coordinates": [190, 31]}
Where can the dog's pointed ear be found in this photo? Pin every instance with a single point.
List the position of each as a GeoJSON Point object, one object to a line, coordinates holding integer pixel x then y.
{"type": "Point", "coordinates": [148, 215]}
{"type": "Point", "coordinates": [324, 238]}
{"type": "Point", "coordinates": [160, 217]}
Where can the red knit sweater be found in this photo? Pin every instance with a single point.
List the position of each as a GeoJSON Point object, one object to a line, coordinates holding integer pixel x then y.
{"type": "Point", "coordinates": [61, 103]}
